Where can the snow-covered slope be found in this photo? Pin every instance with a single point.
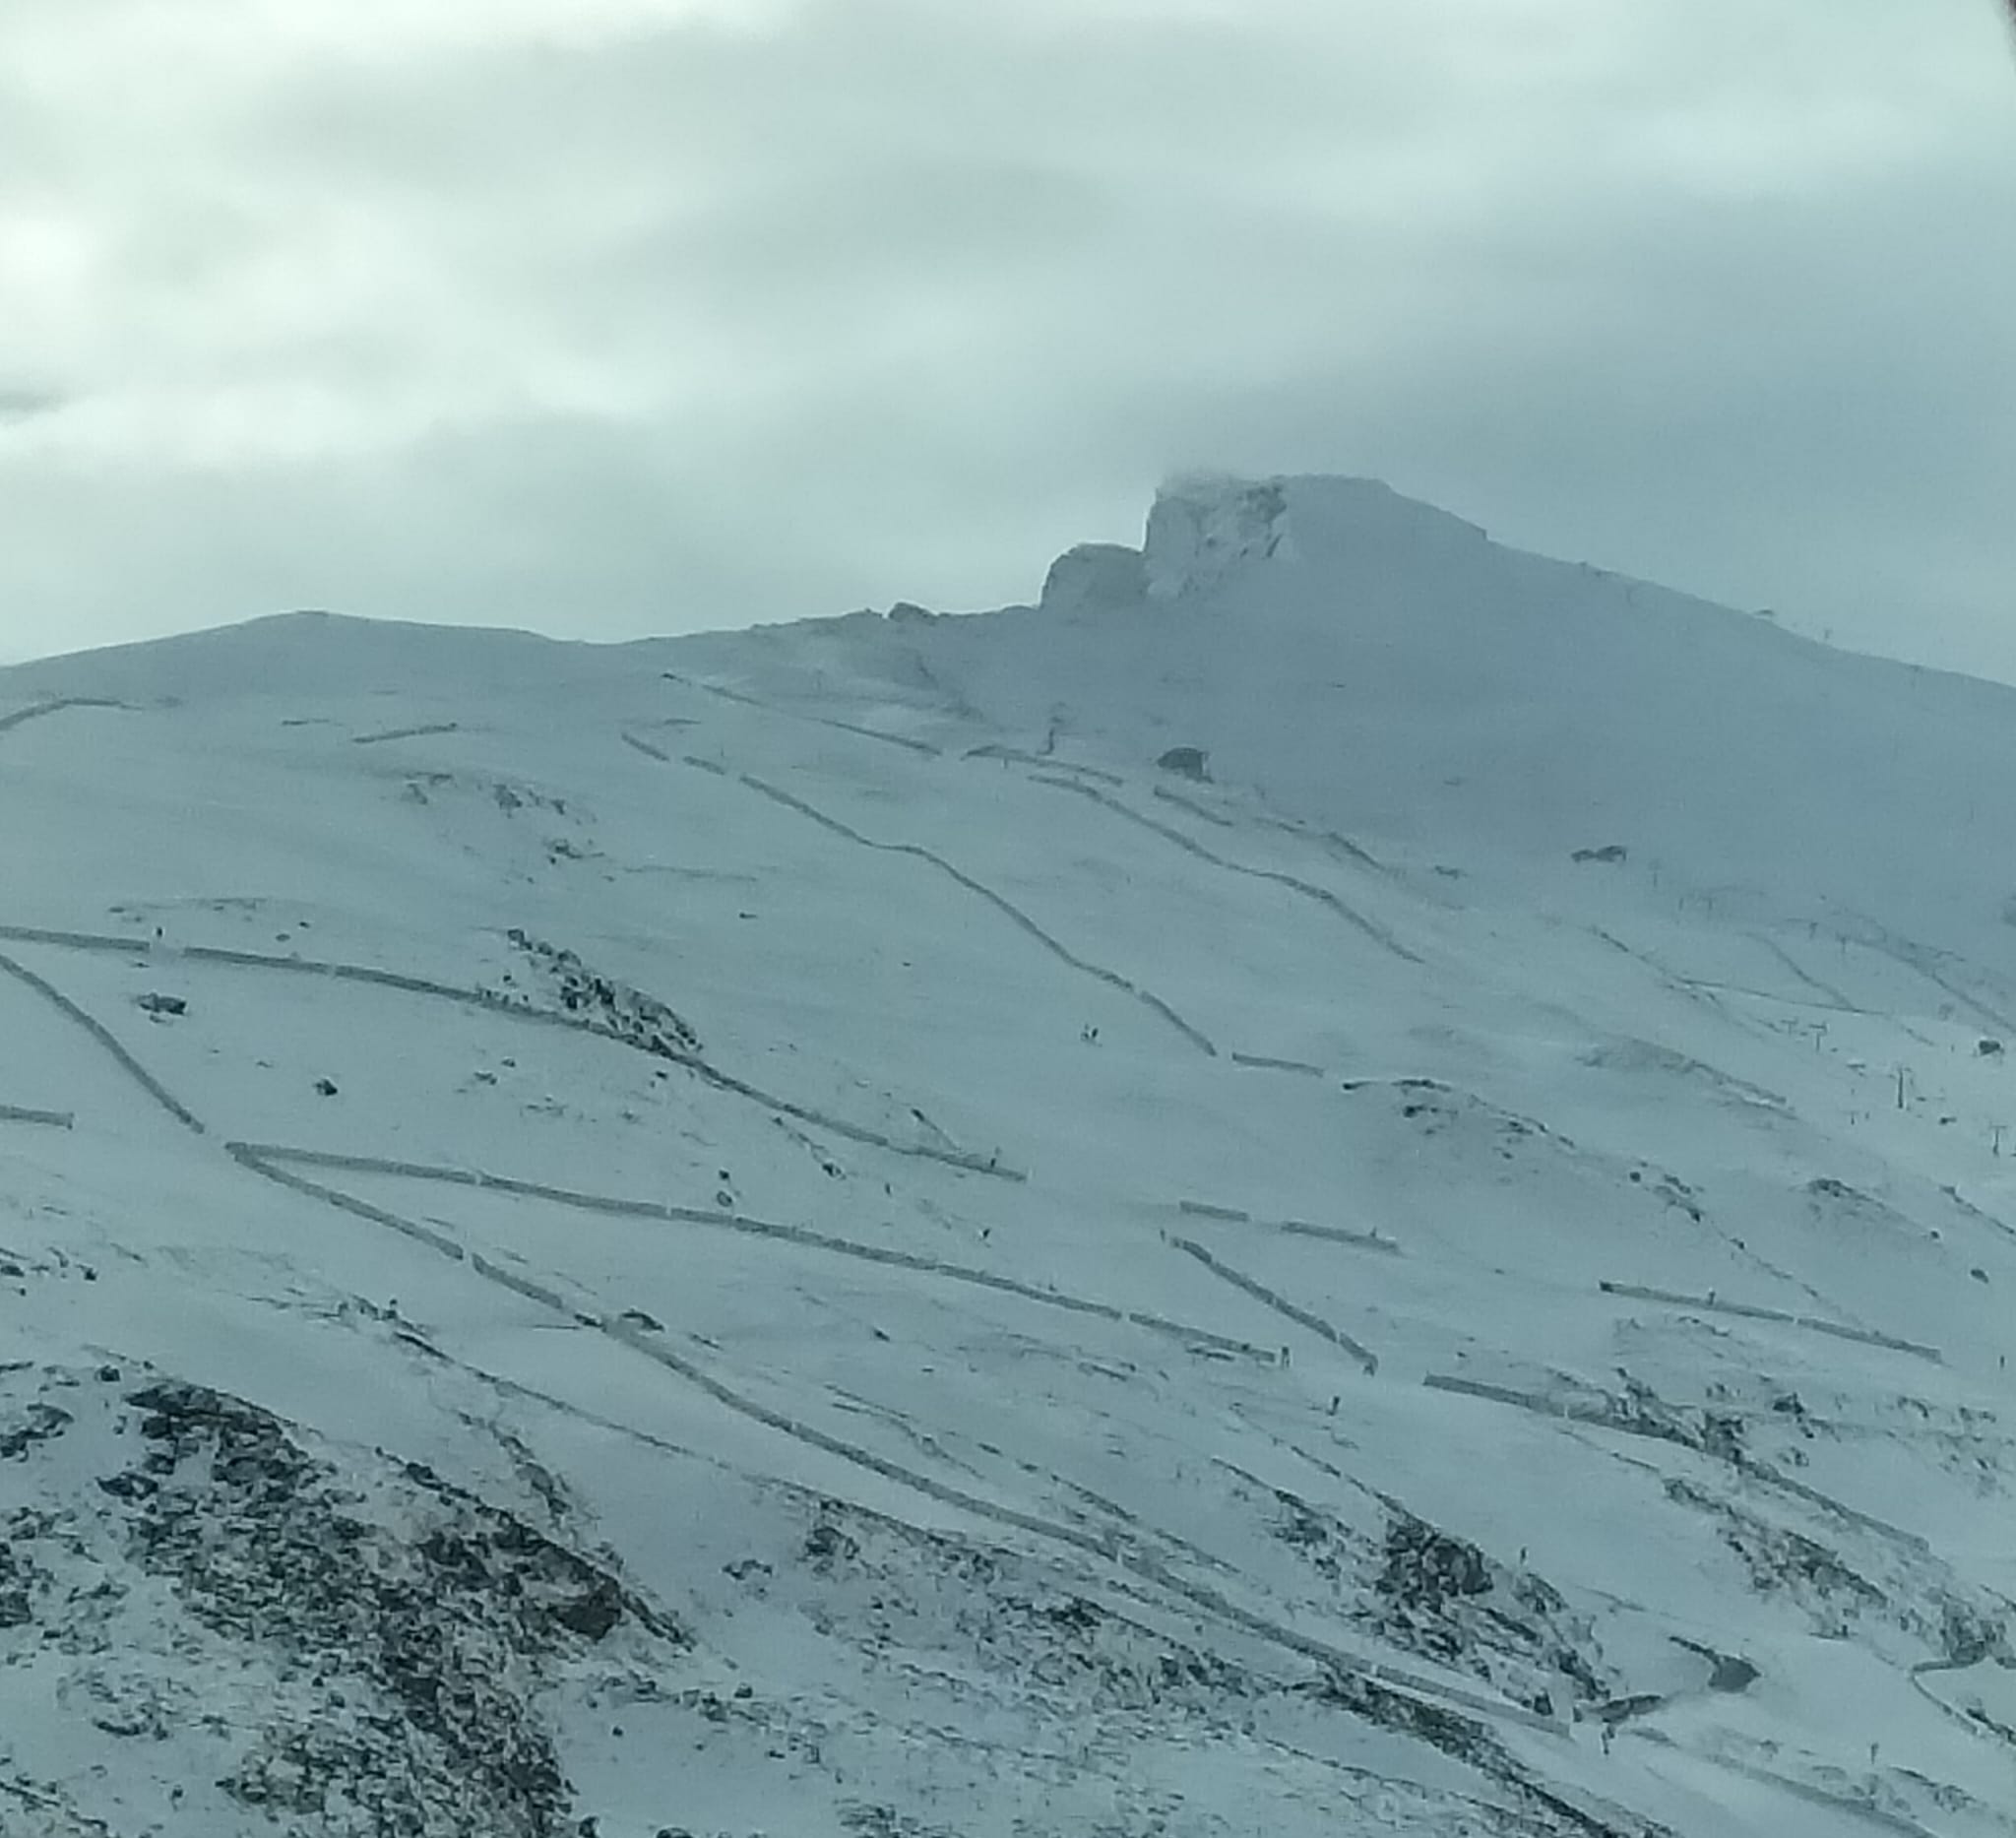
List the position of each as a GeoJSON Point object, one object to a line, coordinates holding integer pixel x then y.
{"type": "Point", "coordinates": [782, 1233]}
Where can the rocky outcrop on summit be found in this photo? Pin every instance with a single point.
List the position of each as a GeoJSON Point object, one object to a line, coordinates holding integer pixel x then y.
{"type": "Point", "coordinates": [1096, 575]}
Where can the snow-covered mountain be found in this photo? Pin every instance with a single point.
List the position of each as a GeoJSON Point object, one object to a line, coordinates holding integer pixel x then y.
{"type": "Point", "coordinates": [1340, 1181]}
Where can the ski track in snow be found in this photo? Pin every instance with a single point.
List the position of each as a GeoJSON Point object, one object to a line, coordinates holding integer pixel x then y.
{"type": "Point", "coordinates": [1607, 1416]}
{"type": "Point", "coordinates": [467, 998]}
{"type": "Point", "coordinates": [1196, 809]}
{"type": "Point", "coordinates": [263, 1163]}
{"type": "Point", "coordinates": [20, 718]}
{"type": "Point", "coordinates": [640, 1341]}
{"type": "Point", "coordinates": [1839, 1805]}
{"type": "Point", "coordinates": [1868, 1336]}
{"type": "Point", "coordinates": [1263, 1062]}
{"type": "Point", "coordinates": [999, 901]}
{"type": "Point", "coordinates": [1929, 964]}
{"type": "Point", "coordinates": [47, 1119]}
{"type": "Point", "coordinates": [1292, 1227]}
{"type": "Point", "coordinates": [1280, 1303]}
{"type": "Point", "coordinates": [1323, 897]}
{"type": "Point", "coordinates": [105, 1036]}
{"type": "Point", "coordinates": [421, 732]}
{"type": "Point", "coordinates": [820, 720]}
{"type": "Point", "coordinates": [253, 1161]}
{"type": "Point", "coordinates": [1834, 996]}
{"type": "Point", "coordinates": [1110, 1548]}
{"type": "Point", "coordinates": [622, 1207]}
{"type": "Point", "coordinates": [1047, 761]}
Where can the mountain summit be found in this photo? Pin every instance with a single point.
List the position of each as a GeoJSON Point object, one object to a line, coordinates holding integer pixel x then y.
{"type": "Point", "coordinates": [1376, 664]}
{"type": "Point", "coordinates": [1208, 531]}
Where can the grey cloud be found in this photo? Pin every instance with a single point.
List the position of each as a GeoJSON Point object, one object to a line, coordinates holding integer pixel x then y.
{"type": "Point", "coordinates": [897, 299]}
{"type": "Point", "coordinates": [20, 402]}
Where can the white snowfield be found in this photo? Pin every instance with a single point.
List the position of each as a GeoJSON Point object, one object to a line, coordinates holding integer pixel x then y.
{"type": "Point", "coordinates": [785, 1233]}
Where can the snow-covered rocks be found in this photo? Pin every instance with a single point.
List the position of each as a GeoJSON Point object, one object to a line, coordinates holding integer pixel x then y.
{"type": "Point", "coordinates": [1096, 577]}
{"type": "Point", "coordinates": [1204, 529]}
{"type": "Point", "coordinates": [322, 1640]}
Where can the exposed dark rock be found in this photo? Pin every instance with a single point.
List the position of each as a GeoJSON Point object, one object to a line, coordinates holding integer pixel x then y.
{"type": "Point", "coordinates": [1732, 1673]}
{"type": "Point", "coordinates": [16, 1606]}
{"type": "Point", "coordinates": [826, 1543]}
{"type": "Point", "coordinates": [610, 1006]}
{"type": "Point", "coordinates": [877, 1821]}
{"type": "Point", "coordinates": [1782, 1560]}
{"type": "Point", "coordinates": [1438, 1596]}
{"type": "Point", "coordinates": [41, 1423]}
{"type": "Point", "coordinates": [1426, 1569]}
{"type": "Point", "coordinates": [1968, 1636]}
{"type": "Point", "coordinates": [440, 1633]}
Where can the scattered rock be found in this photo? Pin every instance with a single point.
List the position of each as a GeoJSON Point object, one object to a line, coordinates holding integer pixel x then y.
{"type": "Point", "coordinates": [40, 1422]}
{"type": "Point", "coordinates": [1732, 1673]}
{"type": "Point", "coordinates": [1425, 1568]}
{"type": "Point", "coordinates": [1784, 1560]}
{"type": "Point", "coordinates": [1434, 1594]}
{"type": "Point", "coordinates": [1723, 1436]}
{"type": "Point", "coordinates": [1187, 762]}
{"type": "Point", "coordinates": [16, 1579]}
{"type": "Point", "coordinates": [880, 1821]}
{"type": "Point", "coordinates": [612, 1007]}
{"type": "Point", "coordinates": [826, 1543]}
{"type": "Point", "coordinates": [1616, 1710]}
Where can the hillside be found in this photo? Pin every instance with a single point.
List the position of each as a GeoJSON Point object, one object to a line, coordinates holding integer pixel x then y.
{"type": "Point", "coordinates": [783, 1233]}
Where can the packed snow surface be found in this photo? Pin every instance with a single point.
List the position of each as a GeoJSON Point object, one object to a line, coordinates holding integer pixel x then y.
{"type": "Point", "coordinates": [1341, 1180]}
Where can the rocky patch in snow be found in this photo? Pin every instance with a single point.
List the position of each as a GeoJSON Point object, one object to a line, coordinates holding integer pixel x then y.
{"type": "Point", "coordinates": [348, 1645]}
{"type": "Point", "coordinates": [920, 1598]}
{"type": "Point", "coordinates": [1435, 1595]}
{"type": "Point", "coordinates": [616, 1009]}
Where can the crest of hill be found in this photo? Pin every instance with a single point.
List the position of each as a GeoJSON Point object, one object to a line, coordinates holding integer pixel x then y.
{"type": "Point", "coordinates": [1365, 662]}
{"type": "Point", "coordinates": [297, 653]}
{"type": "Point", "coordinates": [1381, 667]}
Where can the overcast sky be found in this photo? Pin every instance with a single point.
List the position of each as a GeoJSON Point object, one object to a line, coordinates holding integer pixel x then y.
{"type": "Point", "coordinates": [621, 316]}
